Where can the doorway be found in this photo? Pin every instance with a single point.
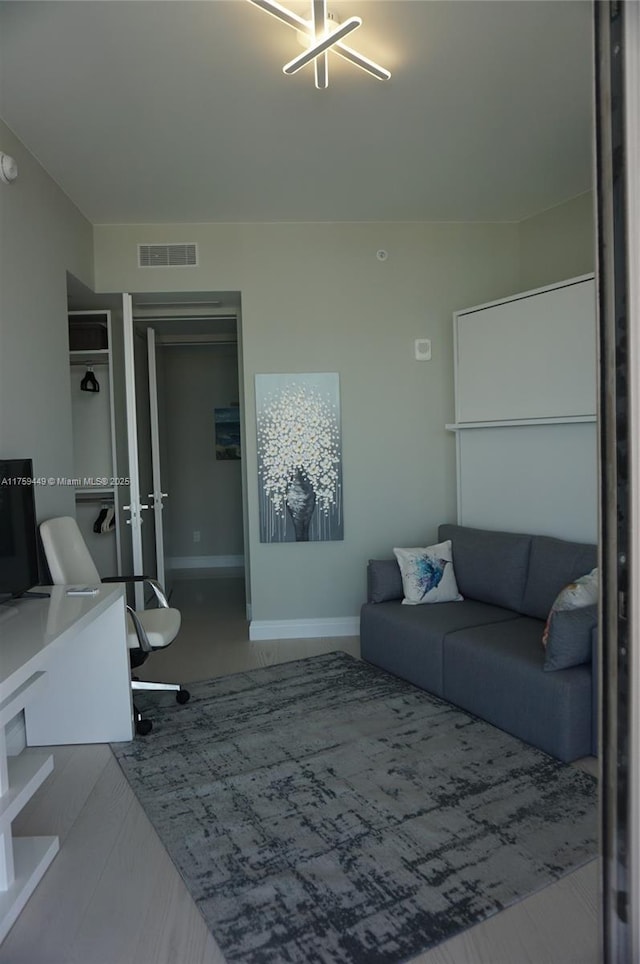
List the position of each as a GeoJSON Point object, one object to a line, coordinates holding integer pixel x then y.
{"type": "Point", "coordinates": [198, 396]}
{"type": "Point", "coordinates": [187, 367]}
{"type": "Point", "coordinates": [197, 401]}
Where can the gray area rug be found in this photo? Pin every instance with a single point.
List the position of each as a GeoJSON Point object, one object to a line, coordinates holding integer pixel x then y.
{"type": "Point", "coordinates": [325, 811]}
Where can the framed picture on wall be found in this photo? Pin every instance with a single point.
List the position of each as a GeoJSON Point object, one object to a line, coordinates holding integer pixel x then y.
{"type": "Point", "coordinates": [299, 457]}
{"type": "Point", "coordinates": [227, 426]}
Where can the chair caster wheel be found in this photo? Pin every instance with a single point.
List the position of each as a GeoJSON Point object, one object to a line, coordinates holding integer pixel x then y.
{"type": "Point", "coordinates": [183, 696]}
{"type": "Point", "coordinates": [143, 727]}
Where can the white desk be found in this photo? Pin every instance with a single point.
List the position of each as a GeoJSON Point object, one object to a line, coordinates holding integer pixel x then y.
{"type": "Point", "coordinates": [64, 661]}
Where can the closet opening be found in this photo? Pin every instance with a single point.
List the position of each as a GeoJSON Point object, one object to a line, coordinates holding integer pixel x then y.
{"type": "Point", "coordinates": [188, 415]}
{"type": "Point", "coordinates": [199, 440]}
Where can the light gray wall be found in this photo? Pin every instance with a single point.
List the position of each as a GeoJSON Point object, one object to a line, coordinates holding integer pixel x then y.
{"type": "Point", "coordinates": [204, 494]}
{"type": "Point", "coordinates": [316, 298]}
{"type": "Point", "coordinates": [558, 244]}
{"type": "Point", "coordinates": [42, 236]}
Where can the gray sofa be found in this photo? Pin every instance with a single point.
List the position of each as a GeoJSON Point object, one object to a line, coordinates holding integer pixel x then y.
{"type": "Point", "coordinates": [485, 654]}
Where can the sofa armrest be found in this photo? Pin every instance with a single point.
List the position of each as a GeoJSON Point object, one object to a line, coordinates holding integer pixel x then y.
{"type": "Point", "coordinates": [384, 581]}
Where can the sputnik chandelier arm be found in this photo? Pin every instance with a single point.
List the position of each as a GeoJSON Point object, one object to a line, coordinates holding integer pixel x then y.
{"type": "Point", "coordinates": [322, 39]}
{"type": "Point", "coordinates": [323, 45]}
{"type": "Point", "coordinates": [281, 13]}
{"type": "Point", "coordinates": [321, 64]}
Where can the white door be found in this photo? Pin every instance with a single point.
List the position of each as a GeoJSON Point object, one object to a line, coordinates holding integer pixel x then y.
{"type": "Point", "coordinates": [157, 495]}
{"type": "Point", "coordinates": [135, 507]}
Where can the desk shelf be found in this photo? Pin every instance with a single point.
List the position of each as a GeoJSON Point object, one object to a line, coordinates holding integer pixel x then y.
{"type": "Point", "coordinates": [65, 664]}
{"type": "Point", "coordinates": [17, 701]}
{"type": "Point", "coordinates": [27, 772]}
{"type": "Point", "coordinates": [31, 857]}
{"type": "Point", "coordinates": [23, 860]}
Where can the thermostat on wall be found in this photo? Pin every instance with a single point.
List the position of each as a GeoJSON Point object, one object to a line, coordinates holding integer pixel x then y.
{"type": "Point", "coordinates": [423, 349]}
{"type": "Point", "coordinates": [8, 168]}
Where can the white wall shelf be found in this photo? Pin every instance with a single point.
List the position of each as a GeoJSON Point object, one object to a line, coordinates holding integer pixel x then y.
{"type": "Point", "coordinates": [90, 356]}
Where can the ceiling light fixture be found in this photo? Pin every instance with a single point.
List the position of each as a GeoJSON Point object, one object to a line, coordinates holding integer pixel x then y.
{"type": "Point", "coordinates": [323, 35]}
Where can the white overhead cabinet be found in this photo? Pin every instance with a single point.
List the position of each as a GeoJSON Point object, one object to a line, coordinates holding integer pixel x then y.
{"type": "Point", "coordinates": [95, 476]}
{"type": "Point", "coordinates": [525, 404]}
{"type": "Point", "coordinates": [531, 356]}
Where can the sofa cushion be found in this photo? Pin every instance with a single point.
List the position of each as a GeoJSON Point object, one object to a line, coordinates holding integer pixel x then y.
{"type": "Point", "coordinates": [384, 580]}
{"type": "Point", "coordinates": [490, 566]}
{"type": "Point", "coordinates": [495, 671]}
{"type": "Point", "coordinates": [569, 637]}
{"type": "Point", "coordinates": [553, 564]}
{"type": "Point", "coordinates": [407, 640]}
{"type": "Point", "coordinates": [427, 574]}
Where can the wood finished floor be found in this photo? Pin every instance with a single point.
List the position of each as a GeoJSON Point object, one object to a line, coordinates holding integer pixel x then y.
{"type": "Point", "coordinates": [113, 896]}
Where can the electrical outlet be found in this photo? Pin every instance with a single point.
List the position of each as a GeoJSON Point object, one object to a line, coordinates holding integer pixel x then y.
{"type": "Point", "coordinates": [196, 535]}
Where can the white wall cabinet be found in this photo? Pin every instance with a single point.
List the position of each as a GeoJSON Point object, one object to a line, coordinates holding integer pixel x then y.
{"type": "Point", "coordinates": [95, 475]}
{"type": "Point", "coordinates": [525, 404]}
{"type": "Point", "coordinates": [532, 356]}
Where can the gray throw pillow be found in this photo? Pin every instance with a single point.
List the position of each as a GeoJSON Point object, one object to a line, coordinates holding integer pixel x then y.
{"type": "Point", "coordinates": [569, 638]}
{"type": "Point", "coordinates": [384, 580]}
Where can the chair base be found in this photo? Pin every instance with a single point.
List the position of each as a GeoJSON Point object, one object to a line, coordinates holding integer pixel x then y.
{"type": "Point", "coordinates": [144, 726]}
{"type": "Point", "coordinates": [138, 684]}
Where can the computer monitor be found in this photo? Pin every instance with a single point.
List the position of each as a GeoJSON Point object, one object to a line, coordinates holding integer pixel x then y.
{"type": "Point", "coordinates": [18, 532]}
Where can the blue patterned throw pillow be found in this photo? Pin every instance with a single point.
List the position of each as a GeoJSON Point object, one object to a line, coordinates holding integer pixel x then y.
{"type": "Point", "coordinates": [427, 574]}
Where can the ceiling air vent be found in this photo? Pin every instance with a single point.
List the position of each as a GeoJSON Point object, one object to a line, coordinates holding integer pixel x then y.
{"type": "Point", "coordinates": [167, 255]}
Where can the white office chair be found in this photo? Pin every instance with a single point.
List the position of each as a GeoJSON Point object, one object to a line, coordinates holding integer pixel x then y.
{"type": "Point", "coordinates": [148, 630]}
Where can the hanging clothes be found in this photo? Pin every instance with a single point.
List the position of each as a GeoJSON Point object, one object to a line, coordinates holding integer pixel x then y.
{"type": "Point", "coordinates": [106, 520]}
{"type": "Point", "coordinates": [109, 521]}
{"type": "Point", "coordinates": [89, 383]}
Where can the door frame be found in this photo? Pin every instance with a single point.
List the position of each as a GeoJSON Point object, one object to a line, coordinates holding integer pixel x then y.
{"type": "Point", "coordinates": [617, 107]}
{"type": "Point", "coordinates": [131, 319]}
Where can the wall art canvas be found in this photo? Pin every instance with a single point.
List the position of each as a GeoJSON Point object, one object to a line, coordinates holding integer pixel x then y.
{"type": "Point", "coordinates": [227, 422]}
{"type": "Point", "coordinates": [299, 457]}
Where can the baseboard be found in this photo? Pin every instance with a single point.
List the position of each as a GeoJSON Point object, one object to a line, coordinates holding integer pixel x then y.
{"type": "Point", "coordinates": [303, 628]}
{"type": "Point", "coordinates": [204, 562]}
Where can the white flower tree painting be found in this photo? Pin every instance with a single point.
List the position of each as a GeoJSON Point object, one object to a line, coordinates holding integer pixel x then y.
{"type": "Point", "coordinates": [299, 457]}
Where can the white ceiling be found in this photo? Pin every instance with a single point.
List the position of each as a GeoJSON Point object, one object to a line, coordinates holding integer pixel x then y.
{"type": "Point", "coordinates": [175, 111]}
